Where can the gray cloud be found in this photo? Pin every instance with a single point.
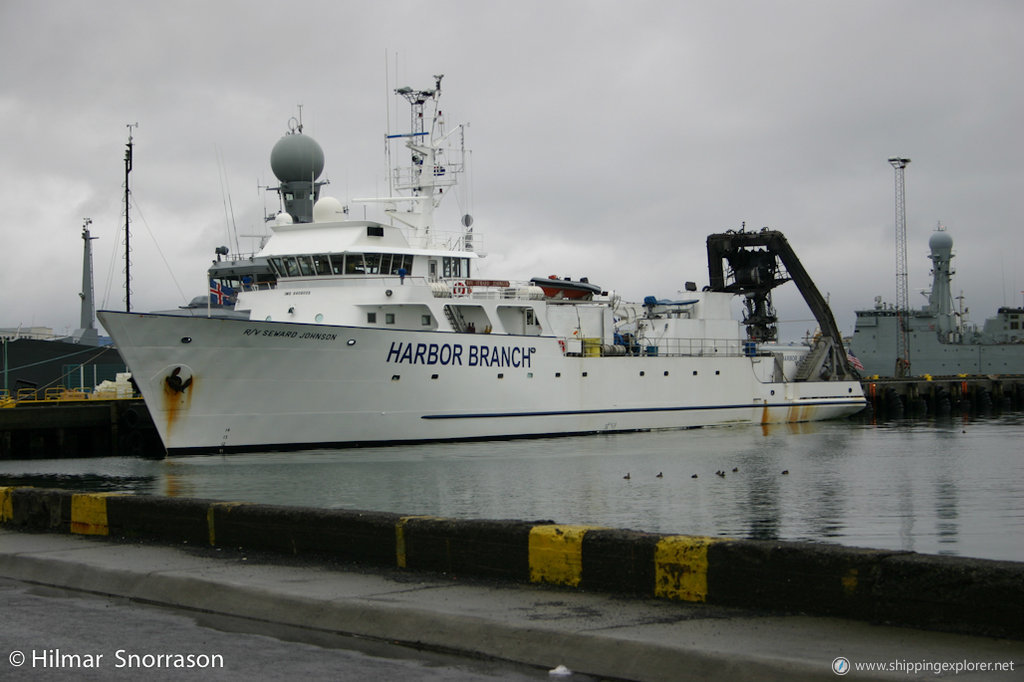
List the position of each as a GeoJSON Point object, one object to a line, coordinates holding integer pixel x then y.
{"type": "Point", "coordinates": [609, 138]}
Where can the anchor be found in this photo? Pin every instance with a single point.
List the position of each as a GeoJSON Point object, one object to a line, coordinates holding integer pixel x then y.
{"type": "Point", "coordinates": [175, 382]}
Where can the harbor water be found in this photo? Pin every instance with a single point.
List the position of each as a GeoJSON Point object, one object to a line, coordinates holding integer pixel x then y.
{"type": "Point", "coordinates": [951, 487]}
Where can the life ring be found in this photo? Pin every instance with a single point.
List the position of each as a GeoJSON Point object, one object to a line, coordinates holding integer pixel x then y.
{"type": "Point", "coordinates": [460, 289]}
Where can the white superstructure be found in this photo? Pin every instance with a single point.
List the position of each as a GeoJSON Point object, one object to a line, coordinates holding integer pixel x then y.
{"type": "Point", "coordinates": [354, 331]}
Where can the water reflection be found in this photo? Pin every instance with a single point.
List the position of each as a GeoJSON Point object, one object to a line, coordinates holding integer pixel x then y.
{"type": "Point", "coordinates": [948, 487]}
{"type": "Point", "coordinates": [946, 515]}
{"type": "Point", "coordinates": [92, 482]}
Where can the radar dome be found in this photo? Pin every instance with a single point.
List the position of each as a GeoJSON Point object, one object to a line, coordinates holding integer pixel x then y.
{"type": "Point", "coordinates": [297, 157]}
{"type": "Point", "coordinates": [940, 241]}
{"type": "Point", "coordinates": [328, 210]}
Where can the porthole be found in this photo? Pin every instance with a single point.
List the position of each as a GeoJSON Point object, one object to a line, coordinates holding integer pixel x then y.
{"type": "Point", "coordinates": [319, 317]}
{"type": "Point", "coordinates": [186, 339]}
{"type": "Point", "coordinates": [351, 342]}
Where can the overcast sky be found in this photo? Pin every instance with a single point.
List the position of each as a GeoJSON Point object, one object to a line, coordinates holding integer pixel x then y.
{"type": "Point", "coordinates": [609, 138]}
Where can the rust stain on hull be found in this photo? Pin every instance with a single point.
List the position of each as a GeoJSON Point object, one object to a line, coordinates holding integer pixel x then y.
{"type": "Point", "coordinates": [800, 413]}
{"type": "Point", "coordinates": [177, 402]}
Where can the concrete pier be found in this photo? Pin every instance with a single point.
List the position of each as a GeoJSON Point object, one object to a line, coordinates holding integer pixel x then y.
{"type": "Point", "coordinates": [935, 396]}
{"type": "Point", "coordinates": [83, 427]}
{"type": "Point", "coordinates": [950, 594]}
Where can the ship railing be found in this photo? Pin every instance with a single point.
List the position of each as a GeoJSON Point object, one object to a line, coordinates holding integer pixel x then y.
{"type": "Point", "coordinates": [693, 347]}
{"type": "Point", "coordinates": [501, 294]}
{"type": "Point", "coordinates": [259, 286]}
{"type": "Point", "coordinates": [456, 241]}
{"type": "Point", "coordinates": [487, 290]}
{"type": "Point", "coordinates": [661, 347]}
{"type": "Point", "coordinates": [59, 394]}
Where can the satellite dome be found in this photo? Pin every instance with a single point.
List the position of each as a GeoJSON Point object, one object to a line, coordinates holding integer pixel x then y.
{"type": "Point", "coordinates": [940, 241]}
{"type": "Point", "coordinates": [328, 210]}
{"type": "Point", "coordinates": [297, 157]}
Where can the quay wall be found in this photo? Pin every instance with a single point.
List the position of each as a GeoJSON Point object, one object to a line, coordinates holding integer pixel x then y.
{"type": "Point", "coordinates": [86, 427]}
{"type": "Point", "coordinates": [954, 594]}
{"type": "Point", "coordinates": [943, 396]}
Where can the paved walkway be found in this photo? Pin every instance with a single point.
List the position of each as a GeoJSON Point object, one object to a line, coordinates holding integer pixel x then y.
{"type": "Point", "coordinates": [597, 634]}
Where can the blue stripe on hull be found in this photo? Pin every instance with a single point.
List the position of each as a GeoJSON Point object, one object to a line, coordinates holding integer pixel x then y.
{"type": "Point", "coordinates": [622, 410]}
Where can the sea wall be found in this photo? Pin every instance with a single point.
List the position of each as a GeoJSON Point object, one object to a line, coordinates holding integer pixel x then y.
{"type": "Point", "coordinates": [943, 397]}
{"type": "Point", "coordinates": [76, 427]}
{"type": "Point", "coordinates": [973, 596]}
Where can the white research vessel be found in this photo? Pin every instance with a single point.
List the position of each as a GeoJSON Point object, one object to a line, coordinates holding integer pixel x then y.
{"type": "Point", "coordinates": [348, 332]}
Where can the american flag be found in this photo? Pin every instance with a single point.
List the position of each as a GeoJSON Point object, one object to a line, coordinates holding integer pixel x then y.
{"type": "Point", "coordinates": [857, 364]}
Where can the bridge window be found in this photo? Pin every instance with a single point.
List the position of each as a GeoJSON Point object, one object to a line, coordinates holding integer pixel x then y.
{"type": "Point", "coordinates": [322, 264]}
{"type": "Point", "coordinates": [325, 264]}
{"type": "Point", "coordinates": [401, 260]}
{"type": "Point", "coordinates": [306, 266]}
{"type": "Point", "coordinates": [354, 264]}
{"type": "Point", "coordinates": [338, 264]}
{"type": "Point", "coordinates": [372, 261]}
{"type": "Point", "coordinates": [291, 267]}
{"type": "Point", "coordinates": [454, 267]}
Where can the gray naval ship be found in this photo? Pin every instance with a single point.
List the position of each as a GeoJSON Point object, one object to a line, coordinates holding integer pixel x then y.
{"type": "Point", "coordinates": [942, 342]}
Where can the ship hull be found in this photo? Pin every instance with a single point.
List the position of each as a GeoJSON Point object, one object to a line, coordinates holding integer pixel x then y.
{"type": "Point", "coordinates": [875, 344]}
{"type": "Point", "coordinates": [222, 385]}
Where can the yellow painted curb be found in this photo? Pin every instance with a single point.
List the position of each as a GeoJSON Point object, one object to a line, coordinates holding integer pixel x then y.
{"type": "Point", "coordinates": [400, 558]}
{"type": "Point", "coordinates": [6, 504]}
{"type": "Point", "coordinates": [850, 582]}
{"type": "Point", "coordinates": [89, 513]}
{"type": "Point", "coordinates": [209, 517]}
{"type": "Point", "coordinates": [681, 567]}
{"type": "Point", "coordinates": [556, 554]}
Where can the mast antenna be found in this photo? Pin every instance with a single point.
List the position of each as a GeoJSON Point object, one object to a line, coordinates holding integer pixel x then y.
{"type": "Point", "coordinates": [902, 303]}
{"type": "Point", "coordinates": [127, 233]}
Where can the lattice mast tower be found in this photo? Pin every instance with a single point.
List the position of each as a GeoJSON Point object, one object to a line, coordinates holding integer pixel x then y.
{"type": "Point", "coordinates": [902, 296]}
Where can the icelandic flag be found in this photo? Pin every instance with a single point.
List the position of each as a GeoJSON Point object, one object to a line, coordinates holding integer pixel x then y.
{"type": "Point", "coordinates": [857, 364]}
{"type": "Point", "coordinates": [220, 294]}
